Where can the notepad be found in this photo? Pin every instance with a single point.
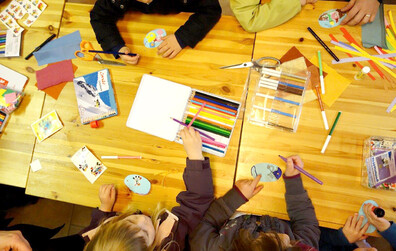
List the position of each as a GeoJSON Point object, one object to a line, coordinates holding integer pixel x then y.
{"type": "Point", "coordinates": [158, 100]}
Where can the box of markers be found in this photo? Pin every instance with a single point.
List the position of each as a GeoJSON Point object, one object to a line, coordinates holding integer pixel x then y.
{"type": "Point", "coordinates": [278, 97]}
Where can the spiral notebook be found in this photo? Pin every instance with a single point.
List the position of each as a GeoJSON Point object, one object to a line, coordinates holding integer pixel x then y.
{"type": "Point", "coordinates": [158, 100]}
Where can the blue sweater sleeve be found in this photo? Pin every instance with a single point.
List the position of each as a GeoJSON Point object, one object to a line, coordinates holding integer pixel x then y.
{"type": "Point", "coordinates": [390, 235]}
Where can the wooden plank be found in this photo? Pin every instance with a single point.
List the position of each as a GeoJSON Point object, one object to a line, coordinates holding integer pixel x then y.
{"type": "Point", "coordinates": [363, 105]}
{"type": "Point", "coordinates": [163, 161]}
{"type": "Point", "coordinates": [17, 141]}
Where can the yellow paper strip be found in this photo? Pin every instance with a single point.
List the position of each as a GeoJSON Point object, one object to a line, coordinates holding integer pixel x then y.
{"type": "Point", "coordinates": [365, 54]}
{"type": "Point", "coordinates": [390, 38]}
{"type": "Point", "coordinates": [394, 108]}
{"type": "Point", "coordinates": [391, 21]}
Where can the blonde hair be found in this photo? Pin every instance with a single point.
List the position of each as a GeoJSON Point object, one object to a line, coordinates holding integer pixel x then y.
{"type": "Point", "coordinates": [120, 235]}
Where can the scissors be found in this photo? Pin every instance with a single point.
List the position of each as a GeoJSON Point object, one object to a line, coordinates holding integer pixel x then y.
{"type": "Point", "coordinates": [266, 62]}
{"type": "Point", "coordinates": [84, 54]}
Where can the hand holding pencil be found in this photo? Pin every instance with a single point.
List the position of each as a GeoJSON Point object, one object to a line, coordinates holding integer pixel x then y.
{"type": "Point", "coordinates": [128, 59]}
{"type": "Point", "coordinates": [192, 143]}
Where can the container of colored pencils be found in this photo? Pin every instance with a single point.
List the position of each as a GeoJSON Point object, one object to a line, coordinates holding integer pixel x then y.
{"type": "Point", "coordinates": [330, 133]}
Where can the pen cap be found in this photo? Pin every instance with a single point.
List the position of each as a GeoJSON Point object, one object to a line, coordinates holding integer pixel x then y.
{"type": "Point", "coordinates": [366, 69]}
{"type": "Point", "coordinates": [379, 212]}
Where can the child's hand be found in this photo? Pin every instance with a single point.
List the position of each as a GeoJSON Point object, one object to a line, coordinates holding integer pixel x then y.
{"type": "Point", "coordinates": [13, 240]}
{"type": "Point", "coordinates": [249, 188]}
{"type": "Point", "coordinates": [380, 223]}
{"type": "Point", "coordinates": [353, 229]}
{"type": "Point", "coordinates": [304, 2]}
{"type": "Point", "coordinates": [169, 47]}
{"type": "Point", "coordinates": [291, 161]}
{"type": "Point", "coordinates": [107, 196]}
{"type": "Point", "coordinates": [128, 59]}
{"type": "Point", "coordinates": [360, 12]}
{"type": "Point", "coordinates": [192, 143]}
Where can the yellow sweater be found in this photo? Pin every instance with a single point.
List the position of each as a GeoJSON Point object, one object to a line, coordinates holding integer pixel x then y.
{"type": "Point", "coordinates": [255, 17]}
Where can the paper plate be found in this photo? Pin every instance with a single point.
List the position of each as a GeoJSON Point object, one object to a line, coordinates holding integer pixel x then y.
{"type": "Point", "coordinates": [138, 184]}
{"type": "Point", "coordinates": [153, 38]}
{"type": "Point", "coordinates": [331, 18]}
{"type": "Point", "coordinates": [371, 228]}
{"type": "Point", "coordinates": [269, 172]}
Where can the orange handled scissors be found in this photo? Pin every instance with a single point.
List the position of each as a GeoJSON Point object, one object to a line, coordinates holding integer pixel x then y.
{"type": "Point", "coordinates": [84, 54]}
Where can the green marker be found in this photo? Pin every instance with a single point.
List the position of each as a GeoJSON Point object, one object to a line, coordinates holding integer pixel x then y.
{"type": "Point", "coordinates": [330, 133]}
{"type": "Point", "coordinates": [322, 87]}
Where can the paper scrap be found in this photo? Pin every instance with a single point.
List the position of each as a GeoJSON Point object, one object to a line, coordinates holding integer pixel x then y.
{"type": "Point", "coordinates": [391, 106]}
{"type": "Point", "coordinates": [35, 165]}
{"type": "Point", "coordinates": [59, 49]}
{"type": "Point", "coordinates": [335, 84]}
{"type": "Point", "coordinates": [88, 164]}
{"type": "Point", "coordinates": [10, 97]}
{"type": "Point", "coordinates": [55, 74]}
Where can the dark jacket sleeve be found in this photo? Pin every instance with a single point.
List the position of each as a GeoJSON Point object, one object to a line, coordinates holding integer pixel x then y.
{"type": "Point", "coordinates": [97, 217]}
{"type": "Point", "coordinates": [196, 199]}
{"type": "Point", "coordinates": [301, 212]}
{"type": "Point", "coordinates": [104, 16]}
{"type": "Point", "coordinates": [332, 239]}
{"type": "Point", "coordinates": [206, 236]}
{"type": "Point", "coordinates": [206, 14]}
{"type": "Point", "coordinates": [390, 235]}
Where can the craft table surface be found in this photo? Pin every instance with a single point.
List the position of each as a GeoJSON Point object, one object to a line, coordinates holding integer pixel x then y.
{"type": "Point", "coordinates": [17, 141]}
{"type": "Point", "coordinates": [363, 106]}
{"type": "Point", "coordinates": [163, 161]}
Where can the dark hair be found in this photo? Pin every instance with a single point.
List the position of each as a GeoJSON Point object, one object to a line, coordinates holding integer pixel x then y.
{"type": "Point", "coordinates": [265, 241]}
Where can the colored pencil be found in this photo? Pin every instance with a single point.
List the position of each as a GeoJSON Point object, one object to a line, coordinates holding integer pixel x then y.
{"type": "Point", "coordinates": [194, 101]}
{"type": "Point", "coordinates": [121, 157]}
{"type": "Point", "coordinates": [281, 88]}
{"type": "Point", "coordinates": [277, 98]}
{"type": "Point", "coordinates": [196, 115]}
{"type": "Point", "coordinates": [213, 122]}
{"type": "Point", "coordinates": [216, 100]}
{"type": "Point", "coordinates": [274, 81]}
{"type": "Point", "coordinates": [323, 44]}
{"type": "Point", "coordinates": [183, 124]}
{"type": "Point", "coordinates": [322, 86]}
{"type": "Point", "coordinates": [215, 143]}
{"type": "Point", "coordinates": [212, 148]}
{"type": "Point", "coordinates": [210, 128]}
{"type": "Point", "coordinates": [303, 171]}
{"type": "Point", "coordinates": [326, 125]}
{"type": "Point", "coordinates": [214, 117]}
{"type": "Point", "coordinates": [331, 133]}
{"type": "Point", "coordinates": [214, 112]}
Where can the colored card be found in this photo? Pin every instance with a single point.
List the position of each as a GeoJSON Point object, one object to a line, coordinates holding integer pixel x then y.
{"type": "Point", "coordinates": [88, 164]}
{"type": "Point", "coordinates": [138, 184]}
{"type": "Point", "coordinates": [331, 18]}
{"type": "Point", "coordinates": [154, 38]}
{"type": "Point", "coordinates": [55, 74]}
{"type": "Point", "coordinates": [269, 172]}
{"type": "Point", "coordinates": [46, 126]}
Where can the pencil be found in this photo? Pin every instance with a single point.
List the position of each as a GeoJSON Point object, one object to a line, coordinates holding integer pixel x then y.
{"type": "Point", "coordinates": [323, 44]}
{"type": "Point", "coordinates": [203, 134]}
{"type": "Point", "coordinates": [303, 171]}
{"type": "Point", "coordinates": [322, 86]}
{"type": "Point", "coordinates": [121, 157]}
{"type": "Point", "coordinates": [331, 132]}
{"type": "Point", "coordinates": [326, 125]}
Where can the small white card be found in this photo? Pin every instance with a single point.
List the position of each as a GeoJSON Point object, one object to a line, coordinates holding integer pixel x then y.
{"type": "Point", "coordinates": [88, 164]}
{"type": "Point", "coordinates": [35, 165]}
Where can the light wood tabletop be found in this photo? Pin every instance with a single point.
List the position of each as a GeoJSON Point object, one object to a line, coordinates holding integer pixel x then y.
{"type": "Point", "coordinates": [163, 161]}
{"type": "Point", "coordinates": [17, 141]}
{"type": "Point", "coordinates": [363, 105]}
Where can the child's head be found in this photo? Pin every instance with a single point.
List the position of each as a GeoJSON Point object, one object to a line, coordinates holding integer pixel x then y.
{"type": "Point", "coordinates": [265, 241]}
{"type": "Point", "coordinates": [124, 233]}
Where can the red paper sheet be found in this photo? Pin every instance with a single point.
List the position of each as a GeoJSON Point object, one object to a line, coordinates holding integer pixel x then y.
{"type": "Point", "coordinates": [55, 74]}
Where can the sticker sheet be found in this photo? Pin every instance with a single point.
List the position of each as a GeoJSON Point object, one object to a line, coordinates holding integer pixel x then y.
{"type": "Point", "coordinates": [154, 38]}
{"type": "Point", "coordinates": [269, 172]}
{"type": "Point", "coordinates": [88, 164]}
{"type": "Point", "coordinates": [331, 18]}
{"type": "Point", "coordinates": [46, 126]}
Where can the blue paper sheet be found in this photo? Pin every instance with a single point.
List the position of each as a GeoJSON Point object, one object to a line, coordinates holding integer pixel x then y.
{"type": "Point", "coordinates": [59, 49]}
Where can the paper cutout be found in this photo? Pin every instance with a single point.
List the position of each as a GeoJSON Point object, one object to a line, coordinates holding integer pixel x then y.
{"type": "Point", "coordinates": [54, 91]}
{"type": "Point", "coordinates": [331, 18]}
{"type": "Point", "coordinates": [59, 49]}
{"type": "Point", "coordinates": [9, 100]}
{"type": "Point", "coordinates": [153, 38]}
{"type": "Point", "coordinates": [269, 172]}
{"type": "Point", "coordinates": [55, 74]}
{"type": "Point", "coordinates": [46, 126]}
{"type": "Point", "coordinates": [138, 184]}
{"type": "Point", "coordinates": [35, 165]}
{"type": "Point", "coordinates": [371, 228]}
{"type": "Point", "coordinates": [10, 97]}
{"type": "Point", "coordinates": [335, 84]}
{"type": "Point", "coordinates": [88, 164]}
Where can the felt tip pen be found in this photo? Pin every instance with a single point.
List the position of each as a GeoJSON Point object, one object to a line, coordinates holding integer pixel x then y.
{"type": "Point", "coordinates": [323, 44]}
{"type": "Point", "coordinates": [303, 171]}
{"type": "Point", "coordinates": [40, 46]}
{"type": "Point", "coordinates": [326, 125]}
{"type": "Point", "coordinates": [114, 53]}
{"type": "Point", "coordinates": [121, 157]}
{"type": "Point", "coordinates": [322, 86]}
{"type": "Point", "coordinates": [330, 133]}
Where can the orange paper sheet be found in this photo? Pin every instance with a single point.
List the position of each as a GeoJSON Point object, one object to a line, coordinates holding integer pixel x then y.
{"type": "Point", "coordinates": [54, 91]}
{"type": "Point", "coordinates": [335, 84]}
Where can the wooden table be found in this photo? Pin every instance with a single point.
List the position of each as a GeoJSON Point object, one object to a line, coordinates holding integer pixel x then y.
{"type": "Point", "coordinates": [363, 106]}
{"type": "Point", "coordinates": [17, 141]}
{"type": "Point", "coordinates": [163, 161]}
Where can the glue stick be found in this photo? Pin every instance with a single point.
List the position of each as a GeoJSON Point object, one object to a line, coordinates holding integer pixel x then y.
{"type": "Point", "coordinates": [379, 212]}
{"type": "Point", "coordinates": [360, 75]}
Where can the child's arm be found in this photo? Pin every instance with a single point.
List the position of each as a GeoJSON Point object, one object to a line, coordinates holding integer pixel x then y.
{"type": "Point", "coordinates": [197, 177]}
{"type": "Point", "coordinates": [255, 17]}
{"type": "Point", "coordinates": [301, 212]}
{"type": "Point", "coordinates": [207, 235]}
